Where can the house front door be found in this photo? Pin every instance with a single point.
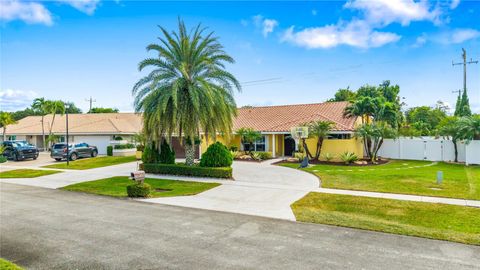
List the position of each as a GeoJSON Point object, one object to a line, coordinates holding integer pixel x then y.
{"type": "Point", "coordinates": [289, 145]}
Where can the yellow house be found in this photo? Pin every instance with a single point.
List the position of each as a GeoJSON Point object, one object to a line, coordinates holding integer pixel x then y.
{"type": "Point", "coordinates": [275, 123]}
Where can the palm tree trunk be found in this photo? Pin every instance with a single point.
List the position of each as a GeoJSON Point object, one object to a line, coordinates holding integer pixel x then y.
{"type": "Point", "coordinates": [309, 155]}
{"type": "Point", "coordinates": [319, 148]}
{"type": "Point", "coordinates": [4, 135]}
{"type": "Point", "coordinates": [189, 154]}
{"type": "Point", "coordinates": [456, 150]}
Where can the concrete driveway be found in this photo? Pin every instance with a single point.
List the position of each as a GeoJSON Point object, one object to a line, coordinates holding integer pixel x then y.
{"type": "Point", "coordinates": [259, 189]}
{"type": "Point", "coordinates": [54, 229]}
{"type": "Point", "coordinates": [42, 160]}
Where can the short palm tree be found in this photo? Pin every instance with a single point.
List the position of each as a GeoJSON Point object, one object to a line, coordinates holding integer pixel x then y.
{"type": "Point", "coordinates": [188, 89]}
{"type": "Point", "coordinates": [54, 107]}
{"type": "Point", "coordinates": [249, 136]}
{"type": "Point", "coordinates": [5, 120]}
{"type": "Point", "coordinates": [469, 127]}
{"type": "Point", "coordinates": [320, 130]}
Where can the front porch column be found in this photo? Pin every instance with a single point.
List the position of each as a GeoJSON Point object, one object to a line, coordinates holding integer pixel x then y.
{"type": "Point", "coordinates": [273, 145]}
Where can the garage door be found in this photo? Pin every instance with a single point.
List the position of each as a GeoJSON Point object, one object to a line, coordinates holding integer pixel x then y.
{"type": "Point", "coordinates": [101, 142]}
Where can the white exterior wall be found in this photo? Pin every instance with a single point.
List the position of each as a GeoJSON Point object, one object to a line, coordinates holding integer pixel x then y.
{"type": "Point", "coordinates": [100, 141]}
{"type": "Point", "coordinates": [430, 149]}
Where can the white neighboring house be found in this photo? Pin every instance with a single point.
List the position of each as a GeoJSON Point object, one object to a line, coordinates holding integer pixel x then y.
{"type": "Point", "coordinates": [95, 129]}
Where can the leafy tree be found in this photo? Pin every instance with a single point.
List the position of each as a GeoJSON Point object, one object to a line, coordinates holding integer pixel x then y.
{"type": "Point", "coordinates": [425, 119]}
{"type": "Point", "coordinates": [188, 89]}
{"type": "Point", "coordinates": [5, 120]}
{"type": "Point", "coordinates": [72, 108]}
{"type": "Point", "coordinates": [465, 105]}
{"type": "Point", "coordinates": [320, 130]}
{"type": "Point", "coordinates": [103, 110]}
{"type": "Point", "coordinates": [249, 136]}
{"type": "Point", "coordinates": [344, 94]}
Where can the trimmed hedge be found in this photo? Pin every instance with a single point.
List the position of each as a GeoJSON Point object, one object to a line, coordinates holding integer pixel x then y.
{"type": "Point", "coordinates": [139, 190]}
{"type": "Point", "coordinates": [124, 146]}
{"type": "Point", "coordinates": [217, 155]}
{"type": "Point", "coordinates": [109, 150]}
{"type": "Point", "coordinates": [181, 169]}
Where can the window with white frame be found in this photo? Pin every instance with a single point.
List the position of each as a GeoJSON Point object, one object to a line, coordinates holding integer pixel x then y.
{"type": "Point", "coordinates": [260, 145]}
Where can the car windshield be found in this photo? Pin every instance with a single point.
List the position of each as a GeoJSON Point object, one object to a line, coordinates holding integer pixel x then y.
{"type": "Point", "coordinates": [59, 146]}
{"type": "Point", "coordinates": [21, 144]}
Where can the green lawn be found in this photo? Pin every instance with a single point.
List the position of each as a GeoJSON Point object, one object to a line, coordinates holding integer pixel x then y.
{"type": "Point", "coordinates": [6, 265]}
{"type": "Point", "coordinates": [437, 221]}
{"type": "Point", "coordinates": [91, 163]}
{"type": "Point", "coordinates": [117, 187]}
{"type": "Point", "coordinates": [26, 173]}
{"type": "Point", "coordinates": [402, 176]}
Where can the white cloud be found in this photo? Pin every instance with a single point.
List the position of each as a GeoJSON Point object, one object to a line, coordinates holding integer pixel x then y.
{"type": "Point", "coordinates": [85, 6]}
{"type": "Point", "coordinates": [454, 4]}
{"type": "Point", "coordinates": [356, 33]}
{"type": "Point", "coordinates": [457, 36]}
{"type": "Point", "coordinates": [267, 25]}
{"type": "Point", "coordinates": [28, 12]}
{"type": "Point", "coordinates": [385, 12]}
{"type": "Point", "coordinates": [13, 100]}
{"type": "Point", "coordinates": [420, 41]}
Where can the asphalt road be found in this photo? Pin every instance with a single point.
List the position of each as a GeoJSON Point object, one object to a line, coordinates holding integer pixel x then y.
{"type": "Point", "coordinates": [54, 229]}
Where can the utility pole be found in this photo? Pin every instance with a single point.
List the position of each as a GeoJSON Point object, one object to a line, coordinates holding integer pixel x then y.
{"type": "Point", "coordinates": [464, 56]}
{"type": "Point", "coordinates": [91, 100]}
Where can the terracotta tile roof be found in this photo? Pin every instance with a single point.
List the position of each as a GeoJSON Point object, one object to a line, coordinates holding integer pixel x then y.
{"type": "Point", "coordinates": [282, 118]}
{"type": "Point", "coordinates": [101, 123]}
{"type": "Point", "coordinates": [266, 119]}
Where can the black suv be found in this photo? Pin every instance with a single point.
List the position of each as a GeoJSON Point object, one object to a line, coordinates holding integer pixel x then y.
{"type": "Point", "coordinates": [76, 150]}
{"type": "Point", "coordinates": [19, 150]}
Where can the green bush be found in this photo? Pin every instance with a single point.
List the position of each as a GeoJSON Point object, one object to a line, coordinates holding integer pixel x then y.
{"type": "Point", "coordinates": [3, 159]}
{"type": "Point", "coordinates": [181, 169]}
{"type": "Point", "coordinates": [300, 156]}
{"type": "Point", "coordinates": [233, 148]}
{"type": "Point", "coordinates": [124, 146]}
{"type": "Point", "coordinates": [118, 138]}
{"type": "Point", "coordinates": [109, 150]}
{"type": "Point", "coordinates": [140, 147]}
{"type": "Point", "coordinates": [348, 157]}
{"type": "Point", "coordinates": [328, 157]}
{"type": "Point", "coordinates": [150, 154]}
{"type": "Point", "coordinates": [217, 155]}
{"type": "Point", "coordinates": [167, 155]}
{"type": "Point", "coordinates": [261, 155]}
{"type": "Point", "coordinates": [139, 190]}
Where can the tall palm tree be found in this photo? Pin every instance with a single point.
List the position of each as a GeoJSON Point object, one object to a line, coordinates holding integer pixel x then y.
{"type": "Point", "coordinates": [39, 105]}
{"type": "Point", "coordinates": [189, 89]}
{"type": "Point", "coordinates": [54, 107]}
{"type": "Point", "coordinates": [5, 120]}
{"type": "Point", "coordinates": [320, 130]}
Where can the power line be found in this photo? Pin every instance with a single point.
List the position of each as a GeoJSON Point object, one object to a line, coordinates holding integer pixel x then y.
{"type": "Point", "coordinates": [90, 100]}
{"type": "Point", "coordinates": [464, 63]}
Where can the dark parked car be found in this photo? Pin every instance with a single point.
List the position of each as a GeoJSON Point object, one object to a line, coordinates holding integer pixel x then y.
{"type": "Point", "coordinates": [75, 150]}
{"type": "Point", "coordinates": [19, 150]}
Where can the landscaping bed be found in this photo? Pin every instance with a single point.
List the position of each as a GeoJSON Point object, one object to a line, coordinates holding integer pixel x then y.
{"type": "Point", "coordinates": [402, 177]}
{"type": "Point", "coordinates": [91, 163]}
{"type": "Point", "coordinates": [26, 173]}
{"type": "Point", "coordinates": [182, 169]}
{"type": "Point", "coordinates": [360, 163]}
{"type": "Point", "coordinates": [429, 220]}
{"type": "Point", "coordinates": [117, 187]}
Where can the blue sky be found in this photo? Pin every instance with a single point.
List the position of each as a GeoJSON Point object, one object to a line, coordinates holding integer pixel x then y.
{"type": "Point", "coordinates": [285, 52]}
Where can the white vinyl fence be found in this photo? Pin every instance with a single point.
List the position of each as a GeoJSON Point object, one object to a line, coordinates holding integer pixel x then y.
{"type": "Point", "coordinates": [430, 149]}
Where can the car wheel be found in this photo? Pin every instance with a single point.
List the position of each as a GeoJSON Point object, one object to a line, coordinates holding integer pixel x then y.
{"type": "Point", "coordinates": [73, 157]}
{"type": "Point", "coordinates": [58, 159]}
{"type": "Point", "coordinates": [35, 157]}
{"type": "Point", "coordinates": [94, 153]}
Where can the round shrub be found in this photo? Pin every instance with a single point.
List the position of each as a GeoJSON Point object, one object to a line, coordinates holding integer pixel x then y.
{"type": "Point", "coordinates": [109, 150]}
{"type": "Point", "coordinates": [138, 190]}
{"type": "Point", "coordinates": [3, 159]}
{"type": "Point", "coordinates": [217, 155]}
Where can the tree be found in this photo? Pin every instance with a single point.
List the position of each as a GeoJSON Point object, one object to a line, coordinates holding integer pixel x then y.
{"type": "Point", "coordinates": [374, 134]}
{"type": "Point", "coordinates": [450, 128]}
{"type": "Point", "coordinates": [458, 105]}
{"type": "Point", "coordinates": [344, 94]}
{"type": "Point", "coordinates": [54, 107]}
{"type": "Point", "coordinates": [249, 136]}
{"type": "Point", "coordinates": [469, 127]}
{"type": "Point", "coordinates": [40, 107]}
{"type": "Point", "coordinates": [72, 108]}
{"type": "Point", "coordinates": [320, 130]}
{"type": "Point", "coordinates": [5, 120]}
{"type": "Point", "coordinates": [464, 105]}
{"type": "Point", "coordinates": [188, 89]}
{"type": "Point", "coordinates": [103, 110]}
{"type": "Point", "coordinates": [425, 119]}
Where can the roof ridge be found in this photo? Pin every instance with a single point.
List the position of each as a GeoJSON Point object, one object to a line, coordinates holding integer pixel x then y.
{"type": "Point", "coordinates": [291, 105]}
